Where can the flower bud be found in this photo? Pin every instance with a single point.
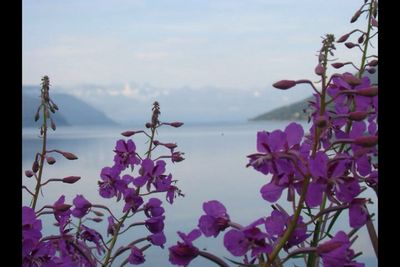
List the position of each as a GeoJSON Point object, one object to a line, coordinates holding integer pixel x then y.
{"type": "Point", "coordinates": [319, 69]}
{"type": "Point", "coordinates": [177, 157]}
{"type": "Point", "coordinates": [374, 22]}
{"type": "Point", "coordinates": [37, 116]}
{"type": "Point", "coordinates": [176, 124]}
{"type": "Point", "coordinates": [370, 91]}
{"type": "Point", "coordinates": [337, 65]}
{"type": "Point", "coordinates": [284, 84]}
{"type": "Point", "coordinates": [371, 70]}
{"type": "Point", "coordinates": [366, 141]}
{"type": "Point", "coordinates": [170, 145]}
{"type": "Point", "coordinates": [98, 213]}
{"type": "Point", "coordinates": [373, 63]}
{"type": "Point", "coordinates": [97, 219]}
{"type": "Point", "coordinates": [361, 39]}
{"type": "Point", "coordinates": [321, 121]}
{"type": "Point", "coordinates": [53, 125]}
{"type": "Point", "coordinates": [350, 45]}
{"type": "Point", "coordinates": [358, 115]}
{"type": "Point", "coordinates": [61, 207]}
{"type": "Point", "coordinates": [355, 16]}
{"type": "Point", "coordinates": [128, 133]}
{"type": "Point", "coordinates": [71, 179]}
{"type": "Point", "coordinates": [343, 38]}
{"type": "Point", "coordinates": [351, 80]}
{"type": "Point", "coordinates": [50, 160]}
{"type": "Point", "coordinates": [35, 166]}
{"type": "Point", "coordinates": [149, 125]}
{"type": "Point", "coordinates": [29, 173]}
{"type": "Point", "coordinates": [69, 155]}
{"type": "Point", "coordinates": [156, 142]}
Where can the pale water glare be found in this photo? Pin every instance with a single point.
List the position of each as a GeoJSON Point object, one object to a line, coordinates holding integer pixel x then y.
{"type": "Point", "coordinates": [214, 168]}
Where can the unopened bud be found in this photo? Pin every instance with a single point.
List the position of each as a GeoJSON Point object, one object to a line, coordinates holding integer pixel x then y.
{"type": "Point", "coordinates": [156, 142]}
{"type": "Point", "coordinates": [37, 116]}
{"type": "Point", "coordinates": [98, 213]}
{"type": "Point", "coordinates": [71, 179]}
{"type": "Point", "coordinates": [319, 69]}
{"type": "Point", "coordinates": [69, 155]}
{"type": "Point", "coordinates": [53, 125]}
{"type": "Point", "coordinates": [35, 166]}
{"type": "Point", "coordinates": [149, 125]}
{"type": "Point", "coordinates": [50, 160]}
{"type": "Point", "coordinates": [61, 207]}
{"type": "Point", "coordinates": [97, 219]}
{"type": "Point", "coordinates": [128, 133]}
{"type": "Point", "coordinates": [29, 173]}
{"type": "Point", "coordinates": [366, 141]}
{"type": "Point", "coordinates": [361, 39]}
{"type": "Point", "coordinates": [350, 45]}
{"type": "Point", "coordinates": [321, 121]}
{"type": "Point", "coordinates": [176, 124]}
{"type": "Point", "coordinates": [177, 157]}
{"type": "Point", "coordinates": [371, 70]}
{"type": "Point", "coordinates": [374, 22]}
{"type": "Point", "coordinates": [352, 80]}
{"type": "Point", "coordinates": [284, 84]}
{"type": "Point", "coordinates": [355, 16]}
{"type": "Point", "coordinates": [358, 115]}
{"type": "Point", "coordinates": [337, 65]}
{"type": "Point", "coordinates": [343, 38]}
{"type": "Point", "coordinates": [170, 145]}
{"type": "Point", "coordinates": [370, 91]}
{"type": "Point", "coordinates": [373, 63]}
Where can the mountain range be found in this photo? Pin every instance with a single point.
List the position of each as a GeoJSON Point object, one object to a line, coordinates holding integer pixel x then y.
{"type": "Point", "coordinates": [72, 110]}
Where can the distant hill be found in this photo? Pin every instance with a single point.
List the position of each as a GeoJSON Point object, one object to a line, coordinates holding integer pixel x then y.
{"type": "Point", "coordinates": [72, 111]}
{"type": "Point", "coordinates": [295, 111]}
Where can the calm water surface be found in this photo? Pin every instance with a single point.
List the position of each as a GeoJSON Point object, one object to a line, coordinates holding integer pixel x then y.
{"type": "Point", "coordinates": [214, 168]}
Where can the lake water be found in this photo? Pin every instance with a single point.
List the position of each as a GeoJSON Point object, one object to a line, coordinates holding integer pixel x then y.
{"type": "Point", "coordinates": [214, 168]}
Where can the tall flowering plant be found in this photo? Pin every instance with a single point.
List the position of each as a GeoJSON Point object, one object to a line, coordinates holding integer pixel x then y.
{"type": "Point", "coordinates": [139, 183]}
{"type": "Point", "coordinates": [323, 172]}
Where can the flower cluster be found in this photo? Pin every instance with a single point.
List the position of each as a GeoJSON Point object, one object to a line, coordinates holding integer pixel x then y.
{"type": "Point", "coordinates": [78, 244]}
{"type": "Point", "coordinates": [326, 169]}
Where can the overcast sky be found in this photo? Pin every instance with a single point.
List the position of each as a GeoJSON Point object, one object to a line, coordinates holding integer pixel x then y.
{"type": "Point", "coordinates": [174, 43]}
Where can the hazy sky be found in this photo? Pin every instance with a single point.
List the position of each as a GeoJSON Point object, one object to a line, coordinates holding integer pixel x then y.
{"type": "Point", "coordinates": [173, 43]}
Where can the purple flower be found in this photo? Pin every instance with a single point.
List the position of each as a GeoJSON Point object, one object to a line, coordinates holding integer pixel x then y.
{"type": "Point", "coordinates": [216, 219]}
{"type": "Point", "coordinates": [136, 257]}
{"type": "Point", "coordinates": [184, 252]}
{"type": "Point", "coordinates": [132, 200]}
{"type": "Point", "coordinates": [149, 172]}
{"type": "Point", "coordinates": [336, 252]}
{"type": "Point", "coordinates": [275, 224]}
{"type": "Point", "coordinates": [111, 226]}
{"type": "Point", "coordinates": [31, 230]}
{"type": "Point", "coordinates": [157, 239]}
{"type": "Point", "coordinates": [358, 213]}
{"type": "Point", "coordinates": [82, 206]}
{"type": "Point", "coordinates": [125, 154]}
{"type": "Point", "coordinates": [278, 222]}
{"type": "Point", "coordinates": [153, 208]}
{"type": "Point", "coordinates": [60, 213]}
{"type": "Point", "coordinates": [112, 185]}
{"type": "Point", "coordinates": [91, 235]}
{"type": "Point", "coordinates": [155, 224]}
{"type": "Point", "coordinates": [238, 242]}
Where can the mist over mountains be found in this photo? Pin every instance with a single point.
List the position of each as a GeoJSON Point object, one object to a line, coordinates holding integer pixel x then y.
{"type": "Point", "coordinates": [131, 103]}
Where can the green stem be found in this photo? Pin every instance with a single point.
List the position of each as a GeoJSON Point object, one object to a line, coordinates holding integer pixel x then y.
{"type": "Point", "coordinates": [114, 239]}
{"type": "Point", "coordinates": [42, 157]}
{"type": "Point", "coordinates": [367, 38]}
